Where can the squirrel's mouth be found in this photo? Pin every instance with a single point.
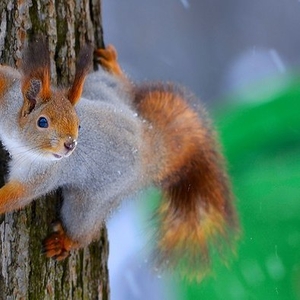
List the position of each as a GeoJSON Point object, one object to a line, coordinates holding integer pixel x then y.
{"type": "Point", "coordinates": [65, 150]}
{"type": "Point", "coordinates": [59, 156]}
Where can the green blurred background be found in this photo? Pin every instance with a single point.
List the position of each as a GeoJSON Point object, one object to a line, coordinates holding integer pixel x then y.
{"type": "Point", "coordinates": [261, 142]}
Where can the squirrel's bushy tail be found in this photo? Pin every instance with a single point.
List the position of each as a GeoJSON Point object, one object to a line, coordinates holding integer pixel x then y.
{"type": "Point", "coordinates": [196, 212]}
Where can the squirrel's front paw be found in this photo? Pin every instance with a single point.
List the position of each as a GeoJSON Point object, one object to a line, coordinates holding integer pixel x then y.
{"type": "Point", "coordinates": [58, 244]}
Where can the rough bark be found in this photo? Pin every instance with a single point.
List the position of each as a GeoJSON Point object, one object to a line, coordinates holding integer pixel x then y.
{"type": "Point", "coordinates": [24, 272]}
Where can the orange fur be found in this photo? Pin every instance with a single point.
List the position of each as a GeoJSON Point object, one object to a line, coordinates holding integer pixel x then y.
{"type": "Point", "coordinates": [174, 123]}
{"type": "Point", "coordinates": [196, 208]}
{"type": "Point", "coordinates": [9, 194]}
{"type": "Point", "coordinates": [3, 85]}
{"type": "Point", "coordinates": [108, 59]}
{"type": "Point", "coordinates": [83, 66]}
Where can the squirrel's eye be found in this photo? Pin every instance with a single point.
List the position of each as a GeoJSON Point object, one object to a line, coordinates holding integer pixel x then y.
{"type": "Point", "coordinates": [79, 127]}
{"type": "Point", "coordinates": [42, 122]}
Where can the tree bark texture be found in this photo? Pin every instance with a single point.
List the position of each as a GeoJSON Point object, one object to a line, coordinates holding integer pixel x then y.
{"type": "Point", "coordinates": [24, 271]}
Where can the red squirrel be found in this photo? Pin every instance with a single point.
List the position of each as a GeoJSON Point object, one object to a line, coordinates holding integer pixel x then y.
{"type": "Point", "coordinates": [103, 140]}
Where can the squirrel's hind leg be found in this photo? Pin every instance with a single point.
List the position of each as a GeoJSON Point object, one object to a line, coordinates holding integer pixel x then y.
{"type": "Point", "coordinates": [108, 59]}
{"type": "Point", "coordinates": [80, 223]}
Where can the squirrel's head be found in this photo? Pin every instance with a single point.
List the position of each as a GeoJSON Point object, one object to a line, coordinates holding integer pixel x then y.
{"type": "Point", "coordinates": [48, 119]}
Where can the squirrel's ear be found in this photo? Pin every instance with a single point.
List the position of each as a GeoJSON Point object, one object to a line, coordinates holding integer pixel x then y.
{"type": "Point", "coordinates": [35, 75]}
{"type": "Point", "coordinates": [30, 94]}
{"type": "Point", "coordinates": [83, 66]}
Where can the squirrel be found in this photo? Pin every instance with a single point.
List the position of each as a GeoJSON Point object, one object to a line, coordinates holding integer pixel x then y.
{"type": "Point", "coordinates": [104, 139]}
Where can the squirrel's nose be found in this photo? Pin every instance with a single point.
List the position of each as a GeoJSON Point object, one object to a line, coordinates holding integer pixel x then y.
{"type": "Point", "coordinates": [70, 143]}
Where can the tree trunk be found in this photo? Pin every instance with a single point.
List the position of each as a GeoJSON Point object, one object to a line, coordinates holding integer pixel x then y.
{"type": "Point", "coordinates": [24, 271]}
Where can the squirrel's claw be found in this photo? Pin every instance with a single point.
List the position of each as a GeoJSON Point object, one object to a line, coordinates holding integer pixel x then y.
{"type": "Point", "coordinates": [58, 245]}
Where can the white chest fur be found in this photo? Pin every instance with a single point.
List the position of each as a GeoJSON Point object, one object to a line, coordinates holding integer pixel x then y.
{"type": "Point", "coordinates": [22, 157]}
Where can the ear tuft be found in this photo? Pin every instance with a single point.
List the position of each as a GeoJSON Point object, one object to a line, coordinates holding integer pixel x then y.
{"type": "Point", "coordinates": [36, 68]}
{"type": "Point", "coordinates": [83, 67]}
